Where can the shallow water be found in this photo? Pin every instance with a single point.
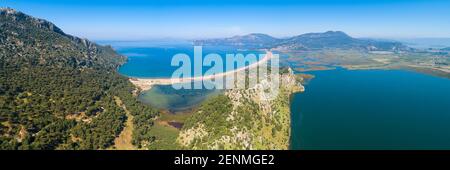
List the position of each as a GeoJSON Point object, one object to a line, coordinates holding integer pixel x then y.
{"type": "Point", "coordinates": [166, 97]}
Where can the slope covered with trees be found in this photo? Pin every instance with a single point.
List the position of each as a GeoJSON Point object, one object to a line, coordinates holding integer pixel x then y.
{"type": "Point", "coordinates": [243, 118]}
{"type": "Point", "coordinates": [57, 91]}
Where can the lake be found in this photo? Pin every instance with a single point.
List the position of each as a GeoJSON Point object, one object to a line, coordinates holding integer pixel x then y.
{"type": "Point", "coordinates": [372, 109]}
{"type": "Point", "coordinates": [166, 97]}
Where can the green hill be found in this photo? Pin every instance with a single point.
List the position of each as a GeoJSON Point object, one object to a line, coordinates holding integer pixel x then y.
{"type": "Point", "coordinates": [57, 91]}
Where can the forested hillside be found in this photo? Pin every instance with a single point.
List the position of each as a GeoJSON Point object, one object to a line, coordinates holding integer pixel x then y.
{"type": "Point", "coordinates": [243, 118]}
{"type": "Point", "coordinates": [57, 91]}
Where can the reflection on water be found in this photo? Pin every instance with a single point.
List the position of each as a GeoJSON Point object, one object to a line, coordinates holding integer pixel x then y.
{"type": "Point", "coordinates": [166, 97]}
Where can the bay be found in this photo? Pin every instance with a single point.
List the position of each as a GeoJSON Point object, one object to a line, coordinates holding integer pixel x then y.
{"type": "Point", "coordinates": [372, 109]}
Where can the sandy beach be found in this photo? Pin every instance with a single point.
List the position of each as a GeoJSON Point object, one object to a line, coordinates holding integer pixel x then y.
{"type": "Point", "coordinates": [147, 83]}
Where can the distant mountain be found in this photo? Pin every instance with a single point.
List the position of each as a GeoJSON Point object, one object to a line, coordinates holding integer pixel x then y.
{"type": "Point", "coordinates": [328, 39]}
{"type": "Point", "coordinates": [309, 41]}
{"type": "Point", "coordinates": [59, 91]}
{"type": "Point", "coordinates": [337, 39]}
{"type": "Point", "coordinates": [446, 49]}
{"type": "Point", "coordinates": [255, 40]}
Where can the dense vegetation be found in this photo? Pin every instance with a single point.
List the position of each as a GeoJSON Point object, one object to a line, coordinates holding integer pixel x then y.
{"type": "Point", "coordinates": [242, 118]}
{"type": "Point", "coordinates": [57, 91]}
{"type": "Point", "coordinates": [212, 113]}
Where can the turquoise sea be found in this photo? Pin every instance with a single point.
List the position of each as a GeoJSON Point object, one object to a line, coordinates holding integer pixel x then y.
{"type": "Point", "coordinates": [372, 109]}
{"type": "Point", "coordinates": [155, 62]}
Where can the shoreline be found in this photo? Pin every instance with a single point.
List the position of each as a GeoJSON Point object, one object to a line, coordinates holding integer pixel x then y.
{"type": "Point", "coordinates": [439, 72]}
{"type": "Point", "coordinates": [147, 83]}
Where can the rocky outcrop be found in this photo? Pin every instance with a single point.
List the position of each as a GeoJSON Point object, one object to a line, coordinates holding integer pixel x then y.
{"type": "Point", "coordinates": [253, 120]}
{"type": "Point", "coordinates": [21, 35]}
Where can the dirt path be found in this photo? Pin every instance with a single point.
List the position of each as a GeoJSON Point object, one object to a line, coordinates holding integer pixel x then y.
{"type": "Point", "coordinates": [123, 141]}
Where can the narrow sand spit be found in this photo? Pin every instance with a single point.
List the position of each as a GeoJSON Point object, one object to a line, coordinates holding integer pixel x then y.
{"type": "Point", "coordinates": [147, 83]}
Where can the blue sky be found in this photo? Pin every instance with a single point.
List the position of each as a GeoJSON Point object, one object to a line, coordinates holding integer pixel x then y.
{"type": "Point", "coordinates": [141, 19]}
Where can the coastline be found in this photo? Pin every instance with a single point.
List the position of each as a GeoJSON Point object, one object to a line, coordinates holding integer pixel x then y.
{"type": "Point", "coordinates": [439, 72]}
{"type": "Point", "coordinates": [147, 83]}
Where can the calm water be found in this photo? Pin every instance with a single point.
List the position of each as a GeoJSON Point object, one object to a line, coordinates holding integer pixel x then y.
{"type": "Point", "coordinates": [147, 60]}
{"type": "Point", "coordinates": [372, 109]}
{"type": "Point", "coordinates": [166, 97]}
{"type": "Point", "coordinates": [155, 62]}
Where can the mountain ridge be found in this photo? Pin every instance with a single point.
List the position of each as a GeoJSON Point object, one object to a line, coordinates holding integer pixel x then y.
{"type": "Point", "coordinates": [26, 30]}
{"type": "Point", "coordinates": [307, 41]}
{"type": "Point", "coordinates": [254, 40]}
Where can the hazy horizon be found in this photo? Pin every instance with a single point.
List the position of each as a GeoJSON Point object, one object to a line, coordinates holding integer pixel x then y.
{"type": "Point", "coordinates": [437, 39]}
